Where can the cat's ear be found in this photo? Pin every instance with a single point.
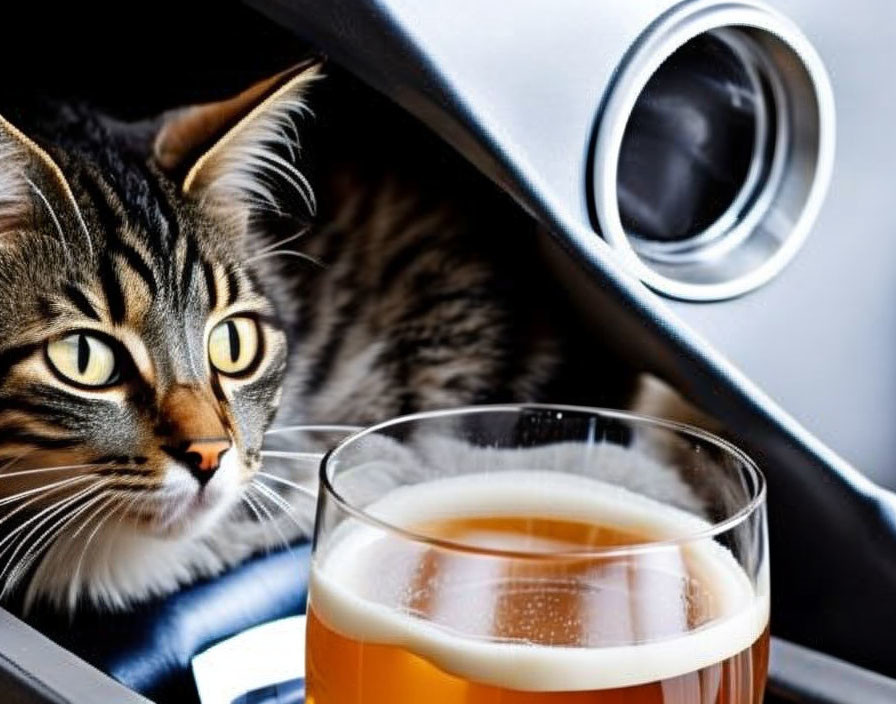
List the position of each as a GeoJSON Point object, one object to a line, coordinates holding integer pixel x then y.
{"type": "Point", "coordinates": [32, 186]}
{"type": "Point", "coordinates": [241, 150]}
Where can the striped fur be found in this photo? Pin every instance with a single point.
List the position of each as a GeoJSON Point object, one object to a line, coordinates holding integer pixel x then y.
{"type": "Point", "coordinates": [162, 268]}
{"type": "Point", "coordinates": [13, 188]}
{"type": "Point", "coordinates": [399, 296]}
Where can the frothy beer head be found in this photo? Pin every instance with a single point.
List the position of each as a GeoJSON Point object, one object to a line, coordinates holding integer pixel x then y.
{"type": "Point", "coordinates": [538, 581]}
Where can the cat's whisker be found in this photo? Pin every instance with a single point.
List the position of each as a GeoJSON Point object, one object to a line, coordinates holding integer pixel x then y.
{"type": "Point", "coordinates": [264, 159]}
{"type": "Point", "coordinates": [142, 503]}
{"type": "Point", "coordinates": [273, 495]}
{"type": "Point", "coordinates": [298, 487]}
{"type": "Point", "coordinates": [42, 470]}
{"type": "Point", "coordinates": [263, 207]}
{"type": "Point", "coordinates": [40, 492]}
{"type": "Point", "coordinates": [65, 500]}
{"type": "Point", "coordinates": [271, 519]}
{"type": "Point", "coordinates": [287, 454]}
{"type": "Point", "coordinates": [137, 503]}
{"type": "Point", "coordinates": [23, 506]}
{"type": "Point", "coordinates": [130, 505]}
{"type": "Point", "coordinates": [286, 253]}
{"type": "Point", "coordinates": [87, 522]}
{"type": "Point", "coordinates": [284, 139]}
{"type": "Point", "coordinates": [51, 510]}
{"type": "Point", "coordinates": [289, 136]}
{"type": "Point", "coordinates": [263, 203]}
{"type": "Point", "coordinates": [285, 240]}
{"type": "Point", "coordinates": [52, 535]}
{"type": "Point", "coordinates": [15, 569]}
{"type": "Point", "coordinates": [247, 499]}
{"type": "Point", "coordinates": [247, 186]}
{"type": "Point", "coordinates": [162, 495]}
{"type": "Point", "coordinates": [53, 216]}
{"type": "Point", "coordinates": [81, 509]}
{"type": "Point", "coordinates": [36, 490]}
{"type": "Point", "coordinates": [312, 429]}
{"type": "Point", "coordinates": [278, 501]}
{"type": "Point", "coordinates": [262, 524]}
{"type": "Point", "coordinates": [42, 540]}
{"type": "Point", "coordinates": [265, 524]}
{"type": "Point", "coordinates": [73, 587]}
{"type": "Point", "coordinates": [18, 458]}
{"type": "Point", "coordinates": [80, 216]}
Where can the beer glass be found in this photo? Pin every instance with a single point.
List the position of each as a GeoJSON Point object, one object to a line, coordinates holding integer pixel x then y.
{"type": "Point", "coordinates": [539, 555]}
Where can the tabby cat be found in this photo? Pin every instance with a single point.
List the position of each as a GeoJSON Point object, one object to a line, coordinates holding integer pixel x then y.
{"type": "Point", "coordinates": [168, 287]}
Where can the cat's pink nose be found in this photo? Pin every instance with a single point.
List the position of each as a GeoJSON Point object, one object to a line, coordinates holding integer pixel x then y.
{"type": "Point", "coordinates": [204, 457]}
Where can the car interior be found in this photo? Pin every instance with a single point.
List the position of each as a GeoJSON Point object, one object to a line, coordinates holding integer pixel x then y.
{"type": "Point", "coordinates": [735, 353]}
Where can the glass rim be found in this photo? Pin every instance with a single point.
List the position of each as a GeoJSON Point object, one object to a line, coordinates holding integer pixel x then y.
{"type": "Point", "coordinates": [757, 489]}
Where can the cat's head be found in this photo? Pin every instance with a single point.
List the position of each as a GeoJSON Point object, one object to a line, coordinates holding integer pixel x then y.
{"type": "Point", "coordinates": [141, 358]}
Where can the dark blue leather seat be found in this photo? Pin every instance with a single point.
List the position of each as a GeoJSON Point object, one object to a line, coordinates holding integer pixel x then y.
{"type": "Point", "coordinates": [149, 649]}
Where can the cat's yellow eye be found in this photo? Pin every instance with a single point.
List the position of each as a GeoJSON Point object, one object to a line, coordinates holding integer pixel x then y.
{"type": "Point", "coordinates": [84, 360]}
{"type": "Point", "coordinates": [234, 345]}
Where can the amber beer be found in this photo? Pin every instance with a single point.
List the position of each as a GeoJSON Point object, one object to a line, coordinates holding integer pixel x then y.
{"type": "Point", "coordinates": [527, 594]}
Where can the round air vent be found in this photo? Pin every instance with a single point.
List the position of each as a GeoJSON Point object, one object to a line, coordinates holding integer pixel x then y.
{"type": "Point", "coordinates": [713, 150]}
